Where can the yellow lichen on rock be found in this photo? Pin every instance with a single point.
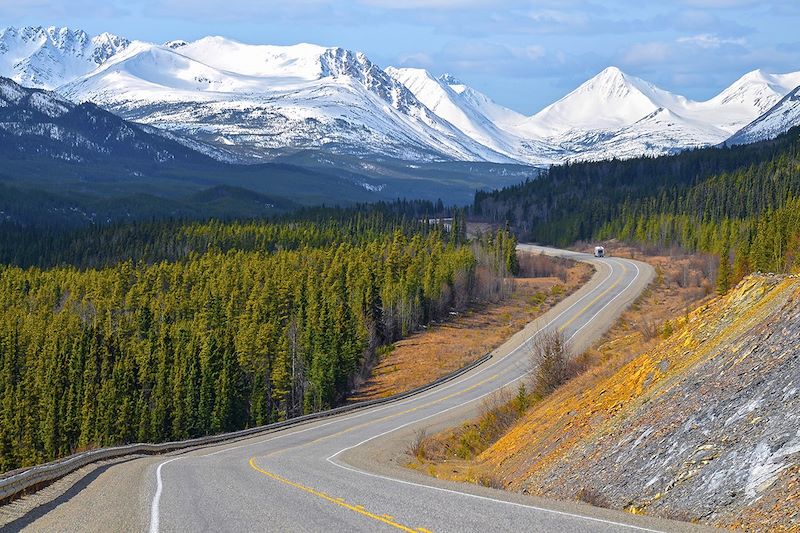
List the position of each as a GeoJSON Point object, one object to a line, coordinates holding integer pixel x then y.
{"type": "Point", "coordinates": [591, 431]}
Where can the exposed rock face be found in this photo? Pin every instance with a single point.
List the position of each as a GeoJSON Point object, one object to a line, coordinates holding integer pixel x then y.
{"type": "Point", "coordinates": [706, 427]}
{"type": "Point", "coordinates": [38, 125]}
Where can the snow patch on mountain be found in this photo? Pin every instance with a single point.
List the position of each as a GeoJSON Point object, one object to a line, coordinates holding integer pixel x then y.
{"type": "Point", "coordinates": [453, 107]}
{"type": "Point", "coordinates": [49, 57]}
{"type": "Point", "coordinates": [260, 101]}
{"type": "Point", "coordinates": [780, 118]}
{"type": "Point", "coordinates": [476, 115]}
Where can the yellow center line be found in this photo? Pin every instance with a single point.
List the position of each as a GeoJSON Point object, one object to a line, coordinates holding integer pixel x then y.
{"type": "Point", "coordinates": [389, 417]}
{"type": "Point", "coordinates": [587, 306]}
{"type": "Point", "coordinates": [386, 519]}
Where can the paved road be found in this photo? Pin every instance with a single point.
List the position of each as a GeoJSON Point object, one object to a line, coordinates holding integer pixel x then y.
{"type": "Point", "coordinates": [344, 473]}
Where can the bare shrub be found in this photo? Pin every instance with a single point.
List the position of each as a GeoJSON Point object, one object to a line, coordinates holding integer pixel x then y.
{"type": "Point", "coordinates": [418, 446]}
{"type": "Point", "coordinates": [495, 401]}
{"type": "Point", "coordinates": [581, 363]}
{"type": "Point", "coordinates": [549, 359]}
{"type": "Point", "coordinates": [647, 328]}
{"type": "Point", "coordinates": [490, 287]}
{"type": "Point", "coordinates": [592, 497]}
{"type": "Point", "coordinates": [543, 266]}
{"type": "Point", "coordinates": [498, 412]}
{"type": "Point", "coordinates": [490, 480]}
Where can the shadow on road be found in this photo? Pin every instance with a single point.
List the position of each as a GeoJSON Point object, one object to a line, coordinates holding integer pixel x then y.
{"type": "Point", "coordinates": [44, 508]}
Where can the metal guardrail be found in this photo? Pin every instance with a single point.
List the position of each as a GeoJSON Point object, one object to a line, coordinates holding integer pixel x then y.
{"type": "Point", "coordinates": [16, 482]}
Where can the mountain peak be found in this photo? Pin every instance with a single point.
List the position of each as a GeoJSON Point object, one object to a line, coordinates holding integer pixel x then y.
{"type": "Point", "coordinates": [49, 57]}
{"type": "Point", "coordinates": [609, 79]}
{"type": "Point", "coordinates": [611, 71]}
{"type": "Point", "coordinates": [609, 100]}
{"type": "Point", "coordinates": [756, 75]}
{"type": "Point", "coordinates": [758, 89]}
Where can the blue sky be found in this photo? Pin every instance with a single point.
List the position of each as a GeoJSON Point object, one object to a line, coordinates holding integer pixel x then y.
{"type": "Point", "coordinates": [524, 54]}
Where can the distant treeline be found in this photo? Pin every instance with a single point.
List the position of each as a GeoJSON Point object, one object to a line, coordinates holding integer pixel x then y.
{"type": "Point", "coordinates": [187, 329]}
{"type": "Point", "coordinates": [741, 203]}
{"type": "Point", "coordinates": [169, 239]}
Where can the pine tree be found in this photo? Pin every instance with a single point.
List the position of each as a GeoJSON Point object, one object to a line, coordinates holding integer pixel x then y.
{"type": "Point", "coordinates": [724, 274]}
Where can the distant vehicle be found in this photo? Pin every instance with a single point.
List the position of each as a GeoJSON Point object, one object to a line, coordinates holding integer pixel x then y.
{"type": "Point", "coordinates": [599, 251]}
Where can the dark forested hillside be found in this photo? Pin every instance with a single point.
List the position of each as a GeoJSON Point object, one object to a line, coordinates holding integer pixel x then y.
{"type": "Point", "coordinates": [742, 203]}
{"type": "Point", "coordinates": [572, 201]}
{"type": "Point", "coordinates": [174, 239]}
{"type": "Point", "coordinates": [209, 327]}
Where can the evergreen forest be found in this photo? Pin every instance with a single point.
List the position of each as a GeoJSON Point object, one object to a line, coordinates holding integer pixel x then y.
{"type": "Point", "coordinates": [169, 330]}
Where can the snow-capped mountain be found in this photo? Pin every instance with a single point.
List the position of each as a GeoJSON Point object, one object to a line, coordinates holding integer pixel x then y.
{"type": "Point", "coordinates": [264, 99]}
{"type": "Point", "coordinates": [780, 118]}
{"type": "Point", "coordinates": [617, 115]}
{"type": "Point", "coordinates": [37, 125]}
{"type": "Point", "coordinates": [261, 102]}
{"type": "Point", "coordinates": [47, 58]}
{"type": "Point", "coordinates": [475, 114]}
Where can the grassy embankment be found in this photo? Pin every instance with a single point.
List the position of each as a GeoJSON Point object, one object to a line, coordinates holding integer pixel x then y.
{"type": "Point", "coordinates": [447, 346]}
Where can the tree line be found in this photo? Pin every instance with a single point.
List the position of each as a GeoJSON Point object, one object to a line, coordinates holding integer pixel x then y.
{"type": "Point", "coordinates": [570, 202]}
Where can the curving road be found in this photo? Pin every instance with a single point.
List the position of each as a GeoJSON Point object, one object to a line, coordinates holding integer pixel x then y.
{"type": "Point", "coordinates": [344, 473]}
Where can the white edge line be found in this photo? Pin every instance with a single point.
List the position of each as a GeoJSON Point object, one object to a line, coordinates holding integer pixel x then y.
{"type": "Point", "coordinates": [552, 511]}
{"type": "Point", "coordinates": [155, 504]}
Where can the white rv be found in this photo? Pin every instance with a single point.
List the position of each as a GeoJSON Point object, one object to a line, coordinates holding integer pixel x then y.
{"type": "Point", "coordinates": [599, 251]}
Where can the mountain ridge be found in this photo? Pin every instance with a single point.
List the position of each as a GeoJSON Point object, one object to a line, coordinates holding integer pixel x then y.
{"type": "Point", "coordinates": [263, 101]}
{"type": "Point", "coordinates": [776, 120]}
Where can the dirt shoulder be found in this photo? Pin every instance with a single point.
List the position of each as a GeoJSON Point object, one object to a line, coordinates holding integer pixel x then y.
{"type": "Point", "coordinates": [438, 350]}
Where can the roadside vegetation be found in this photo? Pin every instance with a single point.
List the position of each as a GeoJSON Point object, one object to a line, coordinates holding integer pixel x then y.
{"type": "Point", "coordinates": [444, 346]}
{"type": "Point", "coordinates": [686, 387]}
{"type": "Point", "coordinates": [646, 432]}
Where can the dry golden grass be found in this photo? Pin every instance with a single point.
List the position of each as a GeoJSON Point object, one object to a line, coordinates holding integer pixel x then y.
{"type": "Point", "coordinates": [443, 348]}
{"type": "Point", "coordinates": [681, 284]}
{"type": "Point", "coordinates": [551, 429]}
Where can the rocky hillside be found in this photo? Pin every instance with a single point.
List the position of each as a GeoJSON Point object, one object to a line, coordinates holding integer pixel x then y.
{"type": "Point", "coordinates": [702, 428]}
{"type": "Point", "coordinates": [36, 124]}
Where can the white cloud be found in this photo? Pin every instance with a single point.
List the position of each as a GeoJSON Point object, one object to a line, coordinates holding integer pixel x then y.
{"type": "Point", "coordinates": [709, 40]}
{"type": "Point", "coordinates": [429, 4]}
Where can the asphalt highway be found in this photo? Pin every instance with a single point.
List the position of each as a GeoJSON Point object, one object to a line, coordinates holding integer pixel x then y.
{"type": "Point", "coordinates": [346, 473]}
